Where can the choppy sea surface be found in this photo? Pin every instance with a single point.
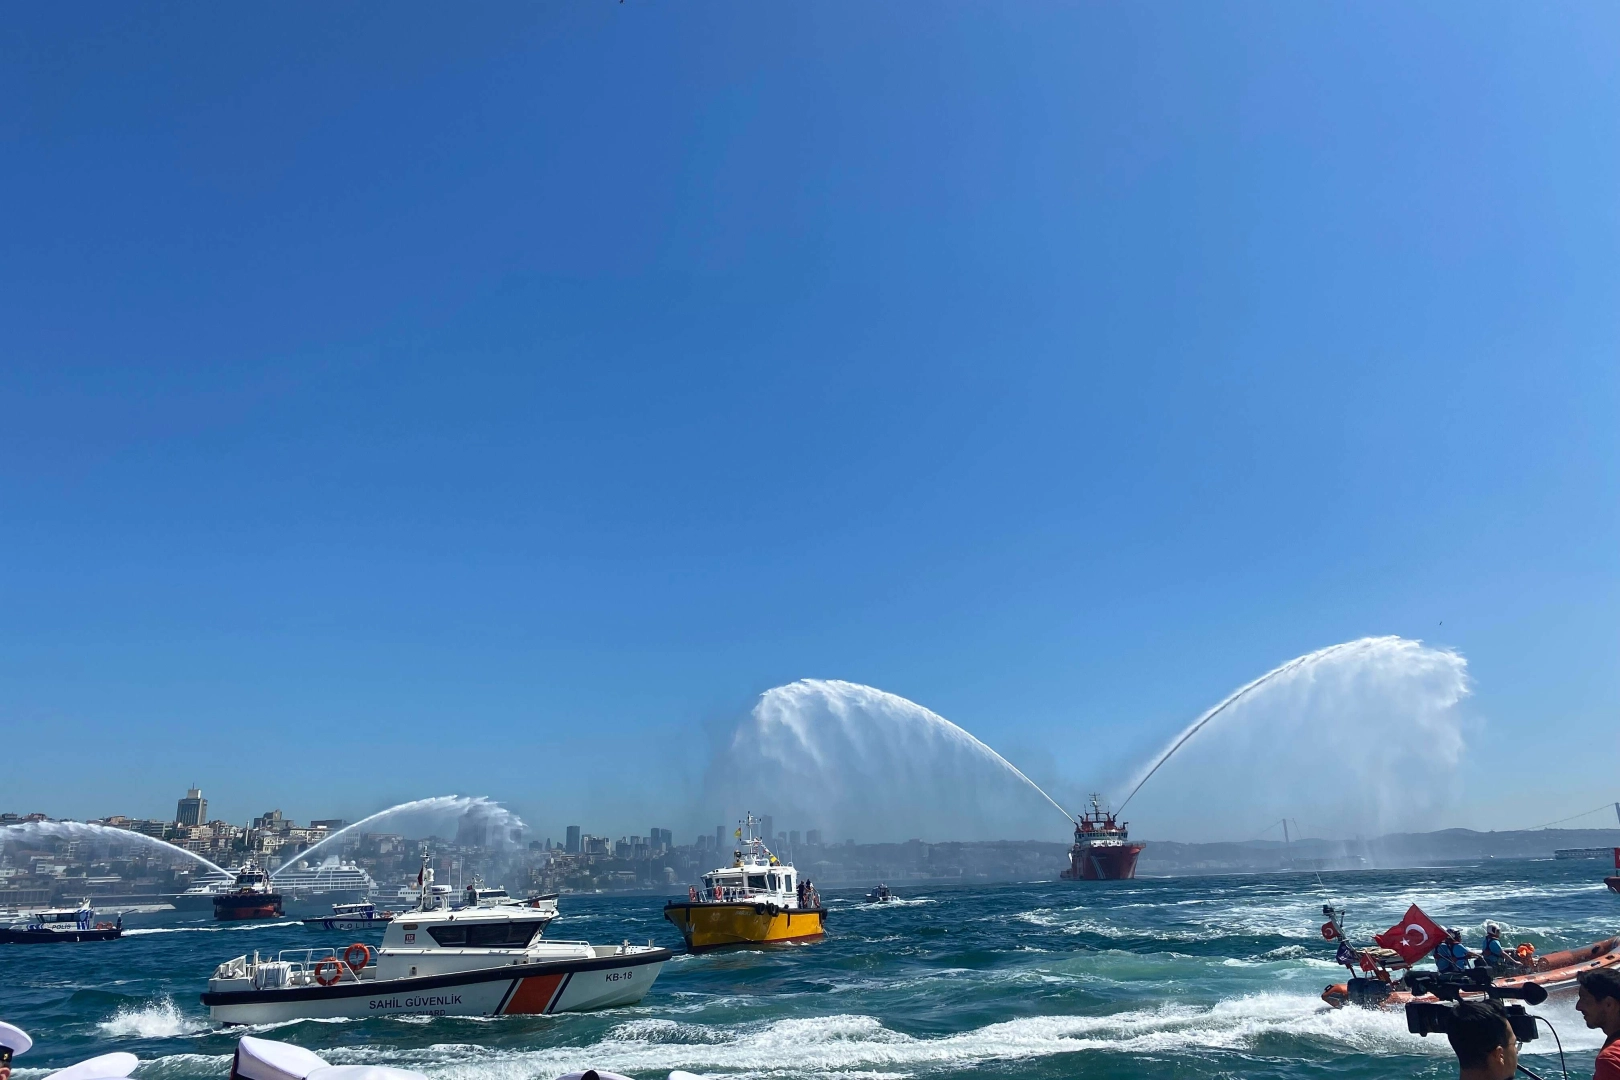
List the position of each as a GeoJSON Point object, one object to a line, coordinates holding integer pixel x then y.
{"type": "Point", "coordinates": [1217, 976]}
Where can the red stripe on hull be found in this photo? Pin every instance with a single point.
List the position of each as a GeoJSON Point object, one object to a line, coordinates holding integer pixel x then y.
{"type": "Point", "coordinates": [1103, 864]}
{"type": "Point", "coordinates": [535, 994]}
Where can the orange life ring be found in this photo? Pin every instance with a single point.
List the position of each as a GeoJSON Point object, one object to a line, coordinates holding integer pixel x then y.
{"type": "Point", "coordinates": [365, 956]}
{"type": "Point", "coordinates": [1329, 931]}
{"type": "Point", "coordinates": [320, 969]}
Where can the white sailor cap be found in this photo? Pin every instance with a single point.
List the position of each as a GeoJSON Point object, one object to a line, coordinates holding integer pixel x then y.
{"type": "Point", "coordinates": [15, 1038]}
{"type": "Point", "coordinates": [364, 1072]}
{"type": "Point", "coordinates": [266, 1059]}
{"type": "Point", "coordinates": [106, 1067]}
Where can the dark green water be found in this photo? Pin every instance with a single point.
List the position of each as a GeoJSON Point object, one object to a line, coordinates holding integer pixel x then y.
{"type": "Point", "coordinates": [1151, 978]}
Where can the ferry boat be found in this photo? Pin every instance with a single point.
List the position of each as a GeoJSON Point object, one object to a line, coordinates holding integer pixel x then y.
{"type": "Point", "coordinates": [435, 961]}
{"type": "Point", "coordinates": [756, 900]}
{"type": "Point", "coordinates": [879, 895]}
{"type": "Point", "coordinates": [200, 896]}
{"type": "Point", "coordinates": [249, 897]}
{"type": "Point", "coordinates": [60, 925]}
{"type": "Point", "coordinates": [1102, 849]}
{"type": "Point", "coordinates": [351, 917]}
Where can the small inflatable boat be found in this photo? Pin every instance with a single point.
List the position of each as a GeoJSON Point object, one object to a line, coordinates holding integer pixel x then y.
{"type": "Point", "coordinates": [1555, 973]}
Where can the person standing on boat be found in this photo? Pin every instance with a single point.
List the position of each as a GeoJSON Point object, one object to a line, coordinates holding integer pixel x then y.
{"type": "Point", "coordinates": [1599, 1005]}
{"type": "Point", "coordinates": [13, 1040]}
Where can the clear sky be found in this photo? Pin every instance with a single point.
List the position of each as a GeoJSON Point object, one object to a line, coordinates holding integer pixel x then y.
{"type": "Point", "coordinates": [401, 401]}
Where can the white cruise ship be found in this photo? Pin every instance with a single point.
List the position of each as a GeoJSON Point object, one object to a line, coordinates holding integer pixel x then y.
{"type": "Point", "coordinates": [332, 882]}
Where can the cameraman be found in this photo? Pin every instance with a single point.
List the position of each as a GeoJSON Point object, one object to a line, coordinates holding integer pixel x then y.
{"type": "Point", "coordinates": [1599, 1006]}
{"type": "Point", "coordinates": [1484, 1042]}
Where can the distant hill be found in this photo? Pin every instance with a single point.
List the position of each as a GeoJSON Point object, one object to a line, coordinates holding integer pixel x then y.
{"type": "Point", "coordinates": [1390, 851]}
{"type": "Point", "coordinates": [916, 862]}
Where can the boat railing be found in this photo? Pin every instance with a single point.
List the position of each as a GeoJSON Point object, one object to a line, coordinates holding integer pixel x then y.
{"type": "Point", "coordinates": [300, 967]}
{"type": "Point", "coordinates": [724, 894]}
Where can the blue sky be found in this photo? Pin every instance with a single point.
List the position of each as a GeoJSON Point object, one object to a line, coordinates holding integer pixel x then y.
{"type": "Point", "coordinates": [410, 402]}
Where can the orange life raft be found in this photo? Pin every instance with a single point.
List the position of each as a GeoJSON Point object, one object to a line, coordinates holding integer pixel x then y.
{"type": "Point", "coordinates": [1554, 972]}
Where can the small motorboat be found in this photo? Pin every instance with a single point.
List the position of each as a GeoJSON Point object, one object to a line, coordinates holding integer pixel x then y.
{"type": "Point", "coordinates": [1554, 972]}
{"type": "Point", "coordinates": [351, 917]}
{"type": "Point", "coordinates": [879, 895]}
{"type": "Point", "coordinates": [435, 961]}
{"type": "Point", "coordinates": [56, 925]}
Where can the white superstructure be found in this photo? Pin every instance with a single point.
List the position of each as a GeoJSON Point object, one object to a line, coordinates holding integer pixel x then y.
{"type": "Point", "coordinates": [436, 961]}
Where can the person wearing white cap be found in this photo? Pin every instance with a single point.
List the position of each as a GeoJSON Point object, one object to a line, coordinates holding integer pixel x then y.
{"type": "Point", "coordinates": [106, 1067]}
{"type": "Point", "coordinates": [266, 1059]}
{"type": "Point", "coordinates": [13, 1041]}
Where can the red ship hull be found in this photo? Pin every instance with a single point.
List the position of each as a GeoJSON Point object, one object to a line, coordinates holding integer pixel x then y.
{"type": "Point", "coordinates": [234, 907]}
{"type": "Point", "coordinates": [1102, 863]}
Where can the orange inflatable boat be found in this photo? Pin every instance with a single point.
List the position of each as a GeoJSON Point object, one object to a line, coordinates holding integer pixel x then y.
{"type": "Point", "coordinates": [1554, 972]}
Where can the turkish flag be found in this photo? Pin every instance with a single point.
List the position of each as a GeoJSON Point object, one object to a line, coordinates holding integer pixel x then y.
{"type": "Point", "coordinates": [1412, 937]}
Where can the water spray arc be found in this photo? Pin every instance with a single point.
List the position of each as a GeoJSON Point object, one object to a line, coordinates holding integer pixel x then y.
{"type": "Point", "coordinates": [436, 804]}
{"type": "Point", "coordinates": [851, 756]}
{"type": "Point", "coordinates": [79, 830]}
{"type": "Point", "coordinates": [1242, 692]}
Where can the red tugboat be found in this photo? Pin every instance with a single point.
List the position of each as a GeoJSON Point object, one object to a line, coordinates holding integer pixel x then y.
{"type": "Point", "coordinates": [1102, 849]}
{"type": "Point", "coordinates": [251, 897]}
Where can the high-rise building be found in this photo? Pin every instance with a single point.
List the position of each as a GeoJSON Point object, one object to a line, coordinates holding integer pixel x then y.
{"type": "Point", "coordinates": [193, 809]}
{"type": "Point", "coordinates": [719, 838]}
{"type": "Point", "coordinates": [793, 838]}
{"type": "Point", "coordinates": [766, 830]}
{"type": "Point", "coordinates": [813, 837]}
{"type": "Point", "coordinates": [572, 846]}
{"type": "Point", "coordinates": [661, 838]}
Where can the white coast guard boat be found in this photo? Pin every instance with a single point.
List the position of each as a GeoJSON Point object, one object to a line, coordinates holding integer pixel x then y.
{"type": "Point", "coordinates": [434, 961]}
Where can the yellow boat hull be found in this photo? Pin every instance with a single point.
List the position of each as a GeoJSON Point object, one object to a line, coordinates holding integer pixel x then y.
{"type": "Point", "coordinates": [715, 925]}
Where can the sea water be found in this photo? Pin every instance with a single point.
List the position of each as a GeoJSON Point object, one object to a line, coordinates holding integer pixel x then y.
{"type": "Point", "coordinates": [1213, 976]}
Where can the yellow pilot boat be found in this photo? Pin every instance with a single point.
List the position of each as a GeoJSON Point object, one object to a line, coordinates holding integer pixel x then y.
{"type": "Point", "coordinates": [756, 900]}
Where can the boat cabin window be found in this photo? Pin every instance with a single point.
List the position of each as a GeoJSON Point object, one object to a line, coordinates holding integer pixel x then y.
{"type": "Point", "coordinates": [494, 935]}
{"type": "Point", "coordinates": [756, 881]}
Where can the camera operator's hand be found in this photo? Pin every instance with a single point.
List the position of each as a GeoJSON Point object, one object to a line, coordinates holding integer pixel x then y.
{"type": "Point", "coordinates": [1484, 1042]}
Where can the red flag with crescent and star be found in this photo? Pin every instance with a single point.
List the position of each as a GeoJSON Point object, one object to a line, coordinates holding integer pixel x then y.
{"type": "Point", "coordinates": [1413, 937]}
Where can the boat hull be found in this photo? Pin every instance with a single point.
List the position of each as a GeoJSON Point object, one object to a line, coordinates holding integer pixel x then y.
{"type": "Point", "coordinates": [235, 907]}
{"type": "Point", "coordinates": [1555, 974]}
{"type": "Point", "coordinates": [716, 925]}
{"type": "Point", "coordinates": [519, 989]}
{"type": "Point", "coordinates": [1102, 863]}
{"type": "Point", "coordinates": [52, 937]}
{"type": "Point", "coordinates": [1613, 882]}
{"type": "Point", "coordinates": [347, 923]}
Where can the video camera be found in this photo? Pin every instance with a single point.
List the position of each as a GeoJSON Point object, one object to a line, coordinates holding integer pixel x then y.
{"type": "Point", "coordinates": [1429, 1017]}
